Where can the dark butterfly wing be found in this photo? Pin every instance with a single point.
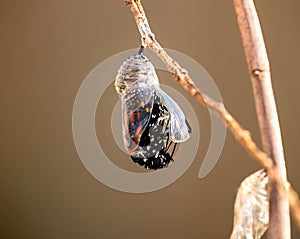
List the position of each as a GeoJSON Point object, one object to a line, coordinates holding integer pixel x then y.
{"type": "Point", "coordinates": [153, 145]}
{"type": "Point", "coordinates": [137, 106]}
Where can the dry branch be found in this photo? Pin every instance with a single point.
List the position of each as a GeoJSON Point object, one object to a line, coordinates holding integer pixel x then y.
{"type": "Point", "coordinates": [181, 75]}
{"type": "Point", "coordinates": [259, 70]}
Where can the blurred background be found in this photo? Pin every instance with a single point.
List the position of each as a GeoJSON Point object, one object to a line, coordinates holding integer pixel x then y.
{"type": "Point", "coordinates": [49, 47]}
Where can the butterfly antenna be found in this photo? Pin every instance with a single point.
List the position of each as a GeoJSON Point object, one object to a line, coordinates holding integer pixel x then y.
{"type": "Point", "coordinates": [173, 151]}
{"type": "Point", "coordinates": [169, 145]}
{"type": "Point", "coordinates": [167, 141]}
{"type": "Point", "coordinates": [189, 126]}
{"type": "Point", "coordinates": [141, 50]}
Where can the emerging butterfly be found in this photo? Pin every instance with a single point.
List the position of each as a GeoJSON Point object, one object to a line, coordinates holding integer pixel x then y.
{"type": "Point", "coordinates": [151, 120]}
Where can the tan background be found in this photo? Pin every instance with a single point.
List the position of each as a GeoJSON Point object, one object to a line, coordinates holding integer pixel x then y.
{"type": "Point", "coordinates": [47, 49]}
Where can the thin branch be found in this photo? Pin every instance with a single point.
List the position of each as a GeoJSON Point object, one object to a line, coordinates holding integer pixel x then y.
{"type": "Point", "coordinates": [181, 75]}
{"type": "Point", "coordinates": [259, 69]}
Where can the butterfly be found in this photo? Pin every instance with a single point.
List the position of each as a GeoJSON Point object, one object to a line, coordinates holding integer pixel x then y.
{"type": "Point", "coordinates": [152, 121]}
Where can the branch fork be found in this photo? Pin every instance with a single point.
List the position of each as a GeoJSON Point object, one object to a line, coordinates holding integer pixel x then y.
{"type": "Point", "coordinates": [281, 193]}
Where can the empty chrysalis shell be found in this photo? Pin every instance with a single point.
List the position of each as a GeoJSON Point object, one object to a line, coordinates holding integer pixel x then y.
{"type": "Point", "coordinates": [251, 208]}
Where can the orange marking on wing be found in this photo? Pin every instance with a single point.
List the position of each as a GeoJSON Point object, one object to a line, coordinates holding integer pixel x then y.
{"type": "Point", "coordinates": [137, 134]}
{"type": "Point", "coordinates": [138, 115]}
{"type": "Point", "coordinates": [131, 117]}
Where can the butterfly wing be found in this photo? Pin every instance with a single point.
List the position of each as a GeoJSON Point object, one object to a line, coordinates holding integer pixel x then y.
{"type": "Point", "coordinates": [179, 129]}
{"type": "Point", "coordinates": [137, 106]}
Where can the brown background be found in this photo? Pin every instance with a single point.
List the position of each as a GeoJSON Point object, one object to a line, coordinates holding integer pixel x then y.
{"type": "Point", "coordinates": [47, 49]}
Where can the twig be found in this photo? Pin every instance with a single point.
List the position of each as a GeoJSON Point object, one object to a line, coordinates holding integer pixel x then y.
{"type": "Point", "coordinates": [259, 69]}
{"type": "Point", "coordinates": [181, 75]}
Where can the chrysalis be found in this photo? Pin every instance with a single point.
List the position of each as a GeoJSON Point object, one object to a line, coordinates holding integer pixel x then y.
{"type": "Point", "coordinates": [151, 120]}
{"type": "Point", "coordinates": [251, 208]}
